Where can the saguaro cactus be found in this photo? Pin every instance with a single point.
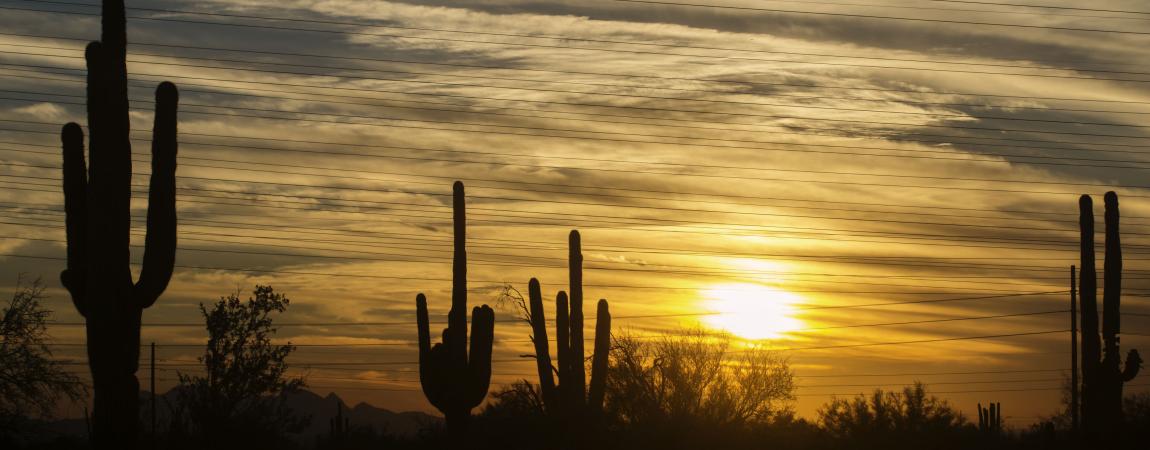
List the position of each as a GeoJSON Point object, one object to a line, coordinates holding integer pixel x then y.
{"type": "Point", "coordinates": [97, 200]}
{"type": "Point", "coordinates": [569, 399]}
{"type": "Point", "coordinates": [452, 381]}
{"type": "Point", "coordinates": [1102, 371]}
{"type": "Point", "coordinates": [990, 419]}
{"type": "Point", "coordinates": [339, 427]}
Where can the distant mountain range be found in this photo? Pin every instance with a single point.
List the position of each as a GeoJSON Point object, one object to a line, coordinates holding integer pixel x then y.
{"type": "Point", "coordinates": [321, 409]}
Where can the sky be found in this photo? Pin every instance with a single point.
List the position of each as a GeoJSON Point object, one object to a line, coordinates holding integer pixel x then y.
{"type": "Point", "coordinates": [786, 164]}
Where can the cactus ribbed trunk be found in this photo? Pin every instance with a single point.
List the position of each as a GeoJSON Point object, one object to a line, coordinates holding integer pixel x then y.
{"type": "Point", "coordinates": [990, 418]}
{"type": "Point", "coordinates": [576, 376]}
{"type": "Point", "coordinates": [569, 401]}
{"type": "Point", "coordinates": [1102, 369]}
{"type": "Point", "coordinates": [454, 377]}
{"type": "Point", "coordinates": [542, 352]}
{"type": "Point", "coordinates": [599, 359]}
{"type": "Point", "coordinates": [97, 202]}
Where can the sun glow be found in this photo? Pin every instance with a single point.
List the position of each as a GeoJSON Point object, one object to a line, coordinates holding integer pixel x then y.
{"type": "Point", "coordinates": [752, 311]}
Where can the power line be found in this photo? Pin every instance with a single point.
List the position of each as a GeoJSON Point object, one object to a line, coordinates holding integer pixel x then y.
{"type": "Point", "coordinates": [786, 231]}
{"type": "Point", "coordinates": [490, 113]}
{"type": "Point", "coordinates": [871, 16]}
{"type": "Point", "coordinates": [1022, 5]}
{"type": "Point", "coordinates": [471, 180]}
{"type": "Point", "coordinates": [546, 81]}
{"type": "Point", "coordinates": [797, 181]}
{"type": "Point", "coordinates": [516, 44]}
{"type": "Point", "coordinates": [527, 341]}
{"type": "Point", "coordinates": [950, 138]}
{"type": "Point", "coordinates": [546, 245]}
{"type": "Point", "coordinates": [580, 203]}
{"type": "Point", "coordinates": [263, 169]}
{"type": "Point", "coordinates": [651, 97]}
{"type": "Point", "coordinates": [608, 286]}
{"type": "Point", "coordinates": [606, 74]}
{"type": "Point", "coordinates": [584, 224]}
{"type": "Point", "coordinates": [621, 189]}
{"type": "Point", "coordinates": [600, 169]}
{"type": "Point", "coordinates": [178, 363]}
{"type": "Point", "coordinates": [649, 268]}
{"type": "Point", "coordinates": [801, 307]}
{"type": "Point", "coordinates": [981, 391]}
{"type": "Point", "coordinates": [907, 374]}
{"type": "Point", "coordinates": [927, 8]}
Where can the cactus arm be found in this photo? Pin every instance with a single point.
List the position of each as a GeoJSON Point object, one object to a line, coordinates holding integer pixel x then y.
{"type": "Point", "coordinates": [563, 346]}
{"type": "Point", "coordinates": [542, 352]}
{"type": "Point", "coordinates": [1112, 281]}
{"type": "Point", "coordinates": [993, 416]}
{"type": "Point", "coordinates": [575, 272]}
{"type": "Point", "coordinates": [479, 367]}
{"type": "Point", "coordinates": [1133, 365]}
{"type": "Point", "coordinates": [457, 317]}
{"type": "Point", "coordinates": [160, 243]}
{"type": "Point", "coordinates": [96, 220]}
{"type": "Point", "coordinates": [429, 364]}
{"type": "Point", "coordinates": [1088, 292]}
{"type": "Point", "coordinates": [981, 418]}
{"type": "Point", "coordinates": [76, 215]}
{"type": "Point", "coordinates": [599, 358]}
{"type": "Point", "coordinates": [998, 422]}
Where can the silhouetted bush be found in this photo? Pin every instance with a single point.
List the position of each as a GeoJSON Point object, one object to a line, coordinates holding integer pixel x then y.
{"type": "Point", "coordinates": [31, 381]}
{"type": "Point", "coordinates": [884, 419]}
{"type": "Point", "coordinates": [694, 390]}
{"type": "Point", "coordinates": [239, 402]}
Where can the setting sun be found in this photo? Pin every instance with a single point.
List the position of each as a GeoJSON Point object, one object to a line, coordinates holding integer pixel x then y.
{"type": "Point", "coordinates": [752, 311]}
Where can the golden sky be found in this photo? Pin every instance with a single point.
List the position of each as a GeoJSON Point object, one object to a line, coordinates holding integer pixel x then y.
{"type": "Point", "coordinates": [792, 167]}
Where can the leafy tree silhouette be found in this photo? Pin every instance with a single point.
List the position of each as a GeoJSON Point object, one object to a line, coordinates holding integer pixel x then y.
{"type": "Point", "coordinates": [31, 381]}
{"type": "Point", "coordinates": [911, 418]}
{"type": "Point", "coordinates": [688, 389]}
{"type": "Point", "coordinates": [240, 401]}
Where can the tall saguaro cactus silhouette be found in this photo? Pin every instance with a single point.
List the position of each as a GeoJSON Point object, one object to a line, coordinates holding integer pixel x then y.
{"type": "Point", "coordinates": [569, 400]}
{"type": "Point", "coordinates": [97, 200]}
{"type": "Point", "coordinates": [452, 380]}
{"type": "Point", "coordinates": [1102, 371]}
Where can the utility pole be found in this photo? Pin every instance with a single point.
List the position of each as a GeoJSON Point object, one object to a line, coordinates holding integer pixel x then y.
{"type": "Point", "coordinates": [153, 389]}
{"type": "Point", "coordinates": [1073, 351]}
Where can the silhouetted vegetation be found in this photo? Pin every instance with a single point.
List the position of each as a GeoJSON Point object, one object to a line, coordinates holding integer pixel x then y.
{"type": "Point", "coordinates": [1102, 370]}
{"type": "Point", "coordinates": [692, 389]}
{"type": "Point", "coordinates": [239, 401]}
{"type": "Point", "coordinates": [97, 200]}
{"type": "Point", "coordinates": [573, 412]}
{"type": "Point", "coordinates": [31, 381]}
{"type": "Point", "coordinates": [454, 381]}
{"type": "Point", "coordinates": [990, 418]}
{"type": "Point", "coordinates": [345, 435]}
{"type": "Point", "coordinates": [884, 419]}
